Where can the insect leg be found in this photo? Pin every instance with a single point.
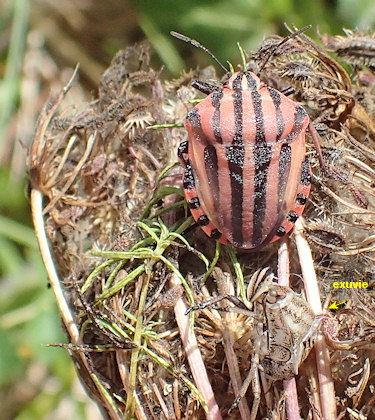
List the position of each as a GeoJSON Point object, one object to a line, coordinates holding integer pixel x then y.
{"type": "Point", "coordinates": [288, 91]}
{"type": "Point", "coordinates": [235, 300]}
{"type": "Point", "coordinates": [316, 140]}
{"type": "Point", "coordinates": [182, 152]}
{"type": "Point", "coordinates": [204, 87]}
{"type": "Point", "coordinates": [253, 379]}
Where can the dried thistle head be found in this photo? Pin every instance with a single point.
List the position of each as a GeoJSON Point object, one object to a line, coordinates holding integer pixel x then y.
{"type": "Point", "coordinates": [355, 47]}
{"type": "Point", "coordinates": [128, 260]}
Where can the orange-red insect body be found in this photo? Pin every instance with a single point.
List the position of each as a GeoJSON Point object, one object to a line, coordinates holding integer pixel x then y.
{"type": "Point", "coordinates": [246, 177]}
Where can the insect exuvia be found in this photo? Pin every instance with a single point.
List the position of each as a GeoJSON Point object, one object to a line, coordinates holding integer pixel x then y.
{"type": "Point", "coordinates": [246, 176]}
{"type": "Point", "coordinates": [285, 329]}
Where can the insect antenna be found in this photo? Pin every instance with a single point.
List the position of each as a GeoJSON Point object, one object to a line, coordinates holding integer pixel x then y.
{"type": "Point", "coordinates": [198, 45]}
{"type": "Point", "coordinates": [276, 47]}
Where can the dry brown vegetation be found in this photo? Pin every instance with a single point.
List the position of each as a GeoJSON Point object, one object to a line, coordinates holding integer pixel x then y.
{"type": "Point", "coordinates": [125, 263]}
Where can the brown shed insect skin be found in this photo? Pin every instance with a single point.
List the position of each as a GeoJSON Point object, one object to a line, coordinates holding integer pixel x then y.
{"type": "Point", "coordinates": [246, 177]}
{"type": "Point", "coordinates": [284, 333]}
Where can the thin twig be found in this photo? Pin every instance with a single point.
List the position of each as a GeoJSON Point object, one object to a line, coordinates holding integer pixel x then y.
{"type": "Point", "coordinates": [290, 386]}
{"type": "Point", "coordinates": [326, 386]}
{"type": "Point", "coordinates": [194, 356]}
{"type": "Point", "coordinates": [225, 287]}
{"type": "Point", "coordinates": [64, 309]}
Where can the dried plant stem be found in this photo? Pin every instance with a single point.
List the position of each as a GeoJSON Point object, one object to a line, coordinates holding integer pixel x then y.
{"type": "Point", "coordinates": [66, 313]}
{"type": "Point", "coordinates": [194, 356]}
{"type": "Point", "coordinates": [234, 371]}
{"type": "Point", "coordinates": [122, 358]}
{"type": "Point", "coordinates": [326, 387]}
{"type": "Point", "coordinates": [225, 287]}
{"type": "Point", "coordinates": [290, 386]}
{"type": "Point", "coordinates": [38, 146]}
{"type": "Point", "coordinates": [75, 172]}
{"type": "Point", "coordinates": [291, 399]}
{"type": "Point", "coordinates": [283, 263]}
{"type": "Point", "coordinates": [357, 210]}
{"type": "Point", "coordinates": [64, 309]}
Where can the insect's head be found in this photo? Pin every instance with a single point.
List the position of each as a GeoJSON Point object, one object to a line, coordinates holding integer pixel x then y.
{"type": "Point", "coordinates": [243, 80]}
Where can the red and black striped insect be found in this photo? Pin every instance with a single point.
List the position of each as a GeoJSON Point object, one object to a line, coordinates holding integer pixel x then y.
{"type": "Point", "coordinates": [246, 176]}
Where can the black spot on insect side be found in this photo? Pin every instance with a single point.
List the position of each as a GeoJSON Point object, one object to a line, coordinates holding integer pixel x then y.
{"type": "Point", "coordinates": [157, 410]}
{"type": "Point", "coordinates": [183, 148]}
{"type": "Point", "coordinates": [292, 217]}
{"type": "Point", "coordinates": [281, 231]}
{"type": "Point", "coordinates": [194, 203]}
{"type": "Point", "coordinates": [188, 182]}
{"type": "Point", "coordinates": [301, 199]}
{"type": "Point", "coordinates": [215, 234]}
{"type": "Point", "coordinates": [305, 173]}
{"type": "Point", "coordinates": [203, 220]}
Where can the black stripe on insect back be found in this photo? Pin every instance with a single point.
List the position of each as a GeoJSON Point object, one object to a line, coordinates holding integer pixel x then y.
{"type": "Point", "coordinates": [276, 99]}
{"type": "Point", "coordinates": [284, 168]}
{"type": "Point", "coordinates": [211, 165]}
{"type": "Point", "coordinates": [262, 160]}
{"type": "Point", "coordinates": [299, 118]}
{"type": "Point", "coordinates": [305, 172]}
{"type": "Point", "coordinates": [194, 118]}
{"type": "Point", "coordinates": [235, 155]}
{"type": "Point", "coordinates": [216, 101]}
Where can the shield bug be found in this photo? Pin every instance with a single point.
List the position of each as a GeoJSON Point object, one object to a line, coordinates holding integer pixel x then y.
{"type": "Point", "coordinates": [246, 176]}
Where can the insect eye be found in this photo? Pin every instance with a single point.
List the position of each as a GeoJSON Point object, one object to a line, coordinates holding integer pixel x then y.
{"type": "Point", "coordinates": [272, 296]}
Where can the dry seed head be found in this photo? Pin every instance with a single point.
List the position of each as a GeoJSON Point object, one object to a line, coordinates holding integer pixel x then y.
{"type": "Point", "coordinates": [99, 206]}
{"type": "Point", "coordinates": [325, 234]}
{"type": "Point", "coordinates": [356, 48]}
{"type": "Point", "coordinates": [298, 70]}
